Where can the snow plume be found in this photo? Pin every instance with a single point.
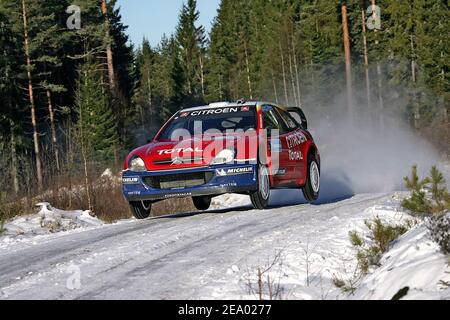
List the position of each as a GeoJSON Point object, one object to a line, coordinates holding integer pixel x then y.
{"type": "Point", "coordinates": [363, 154]}
{"type": "Point", "coordinates": [363, 151]}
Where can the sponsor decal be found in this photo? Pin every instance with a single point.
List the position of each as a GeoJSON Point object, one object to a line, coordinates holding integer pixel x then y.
{"type": "Point", "coordinates": [134, 193]}
{"type": "Point", "coordinates": [281, 172]}
{"type": "Point", "coordinates": [296, 139]}
{"type": "Point", "coordinates": [177, 195]}
{"type": "Point", "coordinates": [229, 185]}
{"type": "Point", "coordinates": [131, 180]}
{"type": "Point", "coordinates": [179, 150]}
{"type": "Point", "coordinates": [295, 155]}
{"type": "Point", "coordinates": [209, 112]}
{"type": "Point", "coordinates": [234, 171]}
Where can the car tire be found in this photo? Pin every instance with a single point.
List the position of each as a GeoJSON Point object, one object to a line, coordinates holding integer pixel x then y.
{"type": "Point", "coordinates": [202, 203]}
{"type": "Point", "coordinates": [141, 209]}
{"type": "Point", "coordinates": [260, 198]}
{"type": "Point", "coordinates": [312, 188]}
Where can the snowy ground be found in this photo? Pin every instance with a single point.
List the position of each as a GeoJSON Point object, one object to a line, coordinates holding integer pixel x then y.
{"type": "Point", "coordinates": [46, 221]}
{"type": "Point", "coordinates": [216, 255]}
{"type": "Point", "coordinates": [415, 263]}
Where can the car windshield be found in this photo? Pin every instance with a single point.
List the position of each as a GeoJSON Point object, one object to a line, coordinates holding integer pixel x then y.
{"type": "Point", "coordinates": [223, 120]}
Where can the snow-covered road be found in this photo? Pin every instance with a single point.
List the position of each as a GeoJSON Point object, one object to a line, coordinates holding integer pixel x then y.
{"type": "Point", "coordinates": [194, 256]}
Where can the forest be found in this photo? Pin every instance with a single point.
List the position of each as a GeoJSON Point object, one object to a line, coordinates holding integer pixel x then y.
{"type": "Point", "coordinates": [74, 99]}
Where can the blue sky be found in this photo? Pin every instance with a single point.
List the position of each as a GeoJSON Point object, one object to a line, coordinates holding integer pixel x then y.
{"type": "Point", "coordinates": [153, 18]}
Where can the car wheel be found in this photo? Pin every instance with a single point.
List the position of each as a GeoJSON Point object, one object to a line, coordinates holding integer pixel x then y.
{"type": "Point", "coordinates": [260, 199]}
{"type": "Point", "coordinates": [141, 209]}
{"type": "Point", "coordinates": [312, 188]}
{"type": "Point", "coordinates": [202, 203]}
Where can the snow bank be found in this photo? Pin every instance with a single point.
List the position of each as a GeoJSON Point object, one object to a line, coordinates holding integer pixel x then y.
{"type": "Point", "coordinates": [415, 265]}
{"type": "Point", "coordinates": [230, 201]}
{"type": "Point", "coordinates": [48, 220]}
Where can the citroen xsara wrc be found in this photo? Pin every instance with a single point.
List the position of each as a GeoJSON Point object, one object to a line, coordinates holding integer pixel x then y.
{"type": "Point", "coordinates": [244, 147]}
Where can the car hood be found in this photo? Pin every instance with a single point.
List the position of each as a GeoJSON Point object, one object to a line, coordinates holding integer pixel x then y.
{"type": "Point", "coordinates": [194, 152]}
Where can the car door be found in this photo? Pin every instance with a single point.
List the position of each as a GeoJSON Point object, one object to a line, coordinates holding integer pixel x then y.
{"type": "Point", "coordinates": [295, 142]}
{"type": "Point", "coordinates": [284, 169]}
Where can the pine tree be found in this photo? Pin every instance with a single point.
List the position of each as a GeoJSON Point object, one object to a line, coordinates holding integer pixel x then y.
{"type": "Point", "coordinates": [9, 96]}
{"type": "Point", "coordinates": [418, 202]}
{"type": "Point", "coordinates": [438, 189]}
{"type": "Point", "coordinates": [190, 41]}
{"type": "Point", "coordinates": [96, 126]}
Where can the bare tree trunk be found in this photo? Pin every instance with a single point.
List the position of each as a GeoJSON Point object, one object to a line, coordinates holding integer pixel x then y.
{"type": "Point", "coordinates": [202, 75]}
{"type": "Point", "coordinates": [284, 75]}
{"type": "Point", "coordinates": [348, 67]}
{"type": "Point", "coordinates": [250, 90]}
{"type": "Point", "coordinates": [442, 100]}
{"type": "Point", "coordinates": [86, 174]}
{"type": "Point", "coordinates": [150, 98]}
{"type": "Point", "coordinates": [53, 128]}
{"type": "Point", "coordinates": [31, 97]}
{"type": "Point", "coordinates": [414, 80]}
{"type": "Point", "coordinates": [379, 77]}
{"type": "Point", "coordinates": [85, 157]}
{"type": "Point", "coordinates": [366, 57]}
{"type": "Point", "coordinates": [69, 159]}
{"type": "Point", "coordinates": [275, 91]}
{"type": "Point", "coordinates": [297, 75]}
{"type": "Point", "coordinates": [220, 87]}
{"type": "Point", "coordinates": [14, 174]}
{"type": "Point", "coordinates": [413, 60]}
{"type": "Point", "coordinates": [294, 90]}
{"type": "Point", "coordinates": [188, 70]}
{"type": "Point", "coordinates": [260, 284]}
{"type": "Point", "coordinates": [14, 171]}
{"type": "Point", "coordinates": [311, 63]}
{"type": "Point", "coordinates": [109, 53]}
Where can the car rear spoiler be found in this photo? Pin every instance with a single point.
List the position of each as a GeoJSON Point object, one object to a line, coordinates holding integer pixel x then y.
{"type": "Point", "coordinates": [299, 116]}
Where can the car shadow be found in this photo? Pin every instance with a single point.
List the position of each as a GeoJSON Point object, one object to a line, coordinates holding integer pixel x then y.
{"type": "Point", "coordinates": [199, 213]}
{"type": "Point", "coordinates": [336, 187]}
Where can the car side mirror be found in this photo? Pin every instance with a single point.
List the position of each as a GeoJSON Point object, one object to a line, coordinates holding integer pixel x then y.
{"type": "Point", "coordinates": [305, 124]}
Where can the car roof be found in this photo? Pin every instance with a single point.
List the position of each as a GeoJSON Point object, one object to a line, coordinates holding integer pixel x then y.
{"type": "Point", "coordinates": [217, 105]}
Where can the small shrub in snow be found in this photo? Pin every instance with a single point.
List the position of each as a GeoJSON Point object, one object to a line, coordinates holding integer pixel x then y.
{"type": "Point", "coordinates": [107, 199]}
{"type": "Point", "coordinates": [348, 286]}
{"type": "Point", "coordinates": [9, 209]}
{"type": "Point", "coordinates": [429, 195]}
{"type": "Point", "coordinates": [439, 228]}
{"type": "Point", "coordinates": [265, 282]}
{"type": "Point", "coordinates": [371, 247]}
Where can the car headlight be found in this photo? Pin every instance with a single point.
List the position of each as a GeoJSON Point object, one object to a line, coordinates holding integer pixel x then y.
{"type": "Point", "coordinates": [137, 164]}
{"type": "Point", "coordinates": [224, 156]}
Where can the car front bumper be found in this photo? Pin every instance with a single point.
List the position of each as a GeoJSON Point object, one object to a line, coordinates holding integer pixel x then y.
{"type": "Point", "coordinates": [224, 179]}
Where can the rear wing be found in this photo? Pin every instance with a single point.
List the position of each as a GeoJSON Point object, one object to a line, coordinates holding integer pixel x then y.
{"type": "Point", "coordinates": [299, 116]}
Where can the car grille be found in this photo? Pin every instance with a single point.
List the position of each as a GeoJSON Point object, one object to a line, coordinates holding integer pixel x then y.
{"type": "Point", "coordinates": [171, 161]}
{"type": "Point", "coordinates": [176, 181]}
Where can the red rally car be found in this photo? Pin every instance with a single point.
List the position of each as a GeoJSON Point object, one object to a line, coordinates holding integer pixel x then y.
{"type": "Point", "coordinates": [242, 147]}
